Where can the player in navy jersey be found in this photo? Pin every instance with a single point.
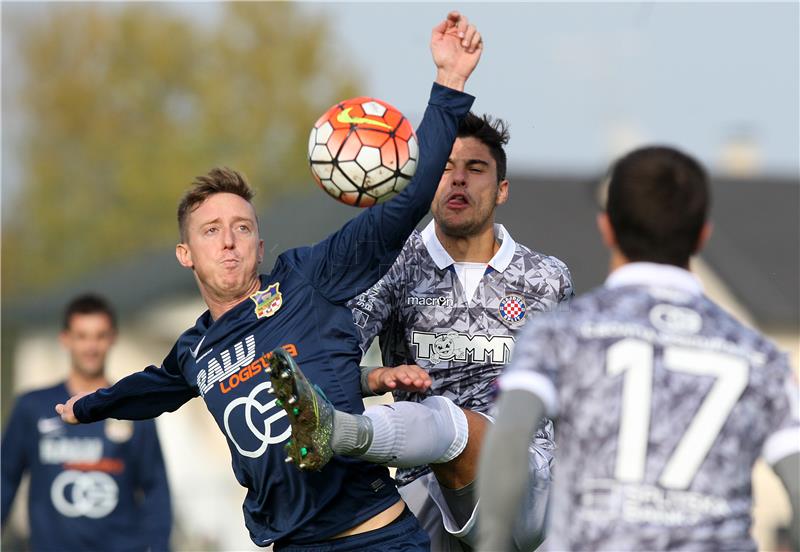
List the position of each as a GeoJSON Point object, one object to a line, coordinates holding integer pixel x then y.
{"type": "Point", "coordinates": [663, 400]}
{"type": "Point", "coordinates": [299, 306]}
{"type": "Point", "coordinates": [101, 486]}
{"type": "Point", "coordinates": [447, 313]}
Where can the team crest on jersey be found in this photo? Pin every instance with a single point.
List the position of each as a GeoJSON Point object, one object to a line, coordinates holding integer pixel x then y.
{"type": "Point", "coordinates": [512, 308]}
{"type": "Point", "coordinates": [267, 301]}
{"type": "Point", "coordinates": [118, 431]}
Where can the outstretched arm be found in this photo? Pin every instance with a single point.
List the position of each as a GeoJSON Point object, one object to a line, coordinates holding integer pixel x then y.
{"type": "Point", "coordinates": [140, 396]}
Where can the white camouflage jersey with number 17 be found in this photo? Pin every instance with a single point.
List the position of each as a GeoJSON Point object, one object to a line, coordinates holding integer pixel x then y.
{"type": "Point", "coordinates": [664, 402]}
{"type": "Point", "coordinates": [423, 315]}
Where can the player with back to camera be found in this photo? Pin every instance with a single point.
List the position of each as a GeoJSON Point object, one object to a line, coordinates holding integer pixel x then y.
{"type": "Point", "coordinates": [663, 400]}
{"type": "Point", "coordinates": [254, 323]}
{"type": "Point", "coordinates": [447, 313]}
{"type": "Point", "coordinates": [101, 486]}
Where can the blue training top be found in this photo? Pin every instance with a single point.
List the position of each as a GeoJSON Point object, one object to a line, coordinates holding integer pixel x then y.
{"type": "Point", "coordinates": [98, 486]}
{"type": "Point", "coordinates": [301, 306]}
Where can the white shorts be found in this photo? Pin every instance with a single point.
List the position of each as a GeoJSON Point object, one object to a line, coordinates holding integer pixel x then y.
{"type": "Point", "coordinates": [424, 498]}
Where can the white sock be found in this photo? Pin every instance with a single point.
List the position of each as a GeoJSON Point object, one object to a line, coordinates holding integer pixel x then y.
{"type": "Point", "coordinates": [407, 434]}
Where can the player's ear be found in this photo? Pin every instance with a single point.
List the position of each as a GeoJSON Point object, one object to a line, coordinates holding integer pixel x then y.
{"type": "Point", "coordinates": [184, 255]}
{"type": "Point", "coordinates": [606, 231]}
{"type": "Point", "coordinates": [705, 235]}
{"type": "Point", "coordinates": [502, 193]}
{"type": "Point", "coordinates": [260, 251]}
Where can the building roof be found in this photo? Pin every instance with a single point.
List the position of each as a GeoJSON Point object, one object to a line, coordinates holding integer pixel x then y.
{"type": "Point", "coordinates": [754, 248]}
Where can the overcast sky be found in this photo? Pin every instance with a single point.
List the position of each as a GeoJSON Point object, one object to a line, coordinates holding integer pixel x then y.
{"type": "Point", "coordinates": [581, 82]}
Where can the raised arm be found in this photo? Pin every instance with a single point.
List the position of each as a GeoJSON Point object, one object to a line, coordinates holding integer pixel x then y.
{"type": "Point", "coordinates": [456, 47]}
{"type": "Point", "coordinates": [140, 396]}
{"type": "Point", "coordinates": [353, 258]}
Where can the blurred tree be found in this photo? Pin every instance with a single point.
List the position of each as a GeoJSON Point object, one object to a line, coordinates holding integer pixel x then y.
{"type": "Point", "coordinates": [125, 104]}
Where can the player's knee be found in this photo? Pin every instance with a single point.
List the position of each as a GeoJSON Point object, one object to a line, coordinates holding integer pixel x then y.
{"type": "Point", "coordinates": [452, 424]}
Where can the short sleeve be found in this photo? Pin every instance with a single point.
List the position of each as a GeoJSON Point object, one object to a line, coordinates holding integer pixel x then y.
{"type": "Point", "coordinates": [535, 364]}
{"type": "Point", "coordinates": [784, 403]}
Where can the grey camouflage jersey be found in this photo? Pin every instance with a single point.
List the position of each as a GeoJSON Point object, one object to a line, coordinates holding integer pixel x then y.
{"type": "Point", "coordinates": [419, 310]}
{"type": "Point", "coordinates": [664, 402]}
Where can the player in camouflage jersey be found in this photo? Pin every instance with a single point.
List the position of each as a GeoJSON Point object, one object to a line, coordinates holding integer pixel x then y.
{"type": "Point", "coordinates": [664, 401]}
{"type": "Point", "coordinates": [446, 313]}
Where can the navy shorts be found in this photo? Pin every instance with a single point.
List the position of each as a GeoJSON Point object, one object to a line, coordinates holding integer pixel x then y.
{"type": "Point", "coordinates": [402, 535]}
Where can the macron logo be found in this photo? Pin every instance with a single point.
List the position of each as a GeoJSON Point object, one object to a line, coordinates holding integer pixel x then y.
{"type": "Point", "coordinates": [440, 301]}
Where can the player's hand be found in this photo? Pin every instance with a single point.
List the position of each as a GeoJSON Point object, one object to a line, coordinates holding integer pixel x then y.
{"type": "Point", "coordinates": [456, 46]}
{"type": "Point", "coordinates": [65, 410]}
{"type": "Point", "coordinates": [406, 377]}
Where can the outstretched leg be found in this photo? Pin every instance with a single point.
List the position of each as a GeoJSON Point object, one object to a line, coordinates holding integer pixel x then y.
{"type": "Point", "coordinates": [309, 411]}
{"type": "Point", "coordinates": [403, 434]}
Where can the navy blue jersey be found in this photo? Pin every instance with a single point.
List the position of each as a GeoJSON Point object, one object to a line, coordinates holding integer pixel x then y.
{"type": "Point", "coordinates": [301, 305]}
{"type": "Point", "coordinates": [98, 486]}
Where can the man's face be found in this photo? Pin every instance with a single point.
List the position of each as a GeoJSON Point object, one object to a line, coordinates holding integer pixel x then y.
{"type": "Point", "coordinates": [88, 339]}
{"type": "Point", "coordinates": [468, 191]}
{"type": "Point", "coordinates": [222, 245]}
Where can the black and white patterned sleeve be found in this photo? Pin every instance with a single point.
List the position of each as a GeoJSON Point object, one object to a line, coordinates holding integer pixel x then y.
{"type": "Point", "coordinates": [374, 308]}
{"type": "Point", "coordinates": [567, 290]}
{"type": "Point", "coordinates": [783, 400]}
{"type": "Point", "coordinates": [534, 367]}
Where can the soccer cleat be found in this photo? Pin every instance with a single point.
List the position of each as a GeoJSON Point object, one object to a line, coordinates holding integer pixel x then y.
{"type": "Point", "coordinates": [309, 411]}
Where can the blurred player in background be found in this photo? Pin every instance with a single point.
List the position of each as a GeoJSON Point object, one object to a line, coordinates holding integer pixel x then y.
{"type": "Point", "coordinates": [664, 401]}
{"type": "Point", "coordinates": [101, 486]}
{"type": "Point", "coordinates": [447, 313]}
{"type": "Point", "coordinates": [300, 306]}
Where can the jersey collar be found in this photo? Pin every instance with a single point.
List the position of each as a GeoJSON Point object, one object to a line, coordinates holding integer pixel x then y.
{"type": "Point", "coordinates": [442, 258]}
{"type": "Point", "coordinates": [656, 275]}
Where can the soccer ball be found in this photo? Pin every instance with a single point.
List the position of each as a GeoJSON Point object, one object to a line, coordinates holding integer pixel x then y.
{"type": "Point", "coordinates": [362, 151]}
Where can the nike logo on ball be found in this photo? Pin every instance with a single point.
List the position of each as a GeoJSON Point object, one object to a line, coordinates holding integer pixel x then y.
{"type": "Point", "coordinates": [344, 117]}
